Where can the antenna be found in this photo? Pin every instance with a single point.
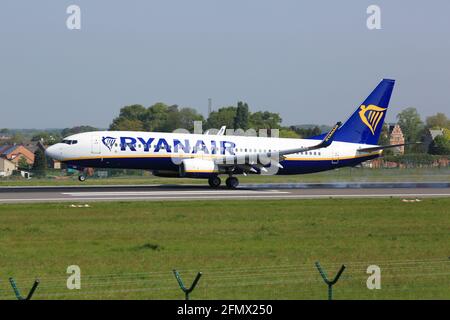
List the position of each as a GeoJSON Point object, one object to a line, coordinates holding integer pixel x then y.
{"type": "Point", "coordinates": [209, 106]}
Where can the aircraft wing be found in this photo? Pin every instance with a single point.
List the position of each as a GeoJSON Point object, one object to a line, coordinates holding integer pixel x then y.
{"type": "Point", "coordinates": [274, 157]}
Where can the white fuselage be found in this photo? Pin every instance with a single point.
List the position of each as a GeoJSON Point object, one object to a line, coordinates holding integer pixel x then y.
{"type": "Point", "coordinates": [156, 150]}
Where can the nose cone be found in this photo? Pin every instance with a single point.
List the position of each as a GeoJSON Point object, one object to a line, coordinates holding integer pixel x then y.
{"type": "Point", "coordinates": [54, 152]}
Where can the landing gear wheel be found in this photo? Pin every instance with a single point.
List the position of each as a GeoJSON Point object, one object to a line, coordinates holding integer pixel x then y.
{"type": "Point", "coordinates": [214, 182]}
{"type": "Point", "coordinates": [82, 178]}
{"type": "Point", "coordinates": [232, 183]}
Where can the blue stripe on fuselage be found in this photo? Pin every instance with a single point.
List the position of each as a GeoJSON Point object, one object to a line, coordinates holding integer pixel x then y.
{"type": "Point", "coordinates": [167, 163]}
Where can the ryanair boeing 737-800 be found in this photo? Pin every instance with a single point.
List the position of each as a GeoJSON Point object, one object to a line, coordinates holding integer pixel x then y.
{"type": "Point", "coordinates": [208, 156]}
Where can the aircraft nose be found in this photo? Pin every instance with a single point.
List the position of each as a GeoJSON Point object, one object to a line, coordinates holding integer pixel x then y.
{"type": "Point", "coordinates": [53, 152]}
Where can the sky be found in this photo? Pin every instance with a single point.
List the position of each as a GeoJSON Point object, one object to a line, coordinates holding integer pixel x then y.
{"type": "Point", "coordinates": [310, 61]}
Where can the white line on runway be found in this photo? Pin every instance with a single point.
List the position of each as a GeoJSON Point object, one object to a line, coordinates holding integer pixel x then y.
{"type": "Point", "coordinates": [255, 196]}
{"type": "Point", "coordinates": [169, 193]}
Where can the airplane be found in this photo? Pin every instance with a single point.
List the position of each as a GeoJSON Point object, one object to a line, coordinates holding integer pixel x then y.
{"type": "Point", "coordinates": [208, 156]}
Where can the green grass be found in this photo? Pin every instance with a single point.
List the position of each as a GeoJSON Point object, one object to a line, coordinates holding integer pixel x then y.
{"type": "Point", "coordinates": [340, 175]}
{"type": "Point", "coordinates": [246, 249]}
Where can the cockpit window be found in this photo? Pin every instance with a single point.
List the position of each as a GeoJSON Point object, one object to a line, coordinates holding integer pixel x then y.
{"type": "Point", "coordinates": [70, 141]}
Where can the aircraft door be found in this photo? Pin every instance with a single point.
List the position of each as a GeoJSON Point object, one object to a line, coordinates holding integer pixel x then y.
{"type": "Point", "coordinates": [95, 144]}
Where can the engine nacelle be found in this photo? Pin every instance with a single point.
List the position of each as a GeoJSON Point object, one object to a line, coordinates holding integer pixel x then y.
{"type": "Point", "coordinates": [197, 168]}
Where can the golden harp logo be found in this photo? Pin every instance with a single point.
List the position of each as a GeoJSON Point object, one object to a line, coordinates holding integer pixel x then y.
{"type": "Point", "coordinates": [371, 116]}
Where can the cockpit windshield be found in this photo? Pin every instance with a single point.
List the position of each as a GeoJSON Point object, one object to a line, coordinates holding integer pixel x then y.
{"type": "Point", "coordinates": [70, 141]}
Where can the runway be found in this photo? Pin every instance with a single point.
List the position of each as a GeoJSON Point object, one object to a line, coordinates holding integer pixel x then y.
{"type": "Point", "coordinates": [196, 192]}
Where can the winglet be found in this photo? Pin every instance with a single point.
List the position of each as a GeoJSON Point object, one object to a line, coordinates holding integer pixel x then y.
{"type": "Point", "coordinates": [330, 136]}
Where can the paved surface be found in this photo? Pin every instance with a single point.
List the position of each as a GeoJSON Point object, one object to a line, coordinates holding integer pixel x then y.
{"type": "Point", "coordinates": [196, 192]}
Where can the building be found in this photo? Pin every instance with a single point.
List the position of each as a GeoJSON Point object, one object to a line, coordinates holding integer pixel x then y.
{"type": "Point", "coordinates": [396, 137]}
{"type": "Point", "coordinates": [6, 167]}
{"type": "Point", "coordinates": [4, 137]}
{"type": "Point", "coordinates": [14, 153]}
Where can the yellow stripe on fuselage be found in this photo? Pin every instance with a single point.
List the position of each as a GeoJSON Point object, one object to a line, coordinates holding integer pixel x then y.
{"type": "Point", "coordinates": [217, 157]}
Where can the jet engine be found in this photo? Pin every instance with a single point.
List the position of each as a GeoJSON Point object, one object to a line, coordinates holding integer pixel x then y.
{"type": "Point", "coordinates": [196, 168]}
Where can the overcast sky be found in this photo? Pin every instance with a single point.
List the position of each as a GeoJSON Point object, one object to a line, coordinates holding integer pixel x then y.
{"type": "Point", "coordinates": [311, 61]}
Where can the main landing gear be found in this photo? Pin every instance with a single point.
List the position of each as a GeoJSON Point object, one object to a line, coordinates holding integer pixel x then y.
{"type": "Point", "coordinates": [214, 182]}
{"type": "Point", "coordinates": [231, 182]}
{"type": "Point", "coordinates": [82, 178]}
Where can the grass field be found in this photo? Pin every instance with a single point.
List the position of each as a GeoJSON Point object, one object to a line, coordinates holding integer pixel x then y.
{"type": "Point", "coordinates": [339, 175]}
{"type": "Point", "coordinates": [245, 249]}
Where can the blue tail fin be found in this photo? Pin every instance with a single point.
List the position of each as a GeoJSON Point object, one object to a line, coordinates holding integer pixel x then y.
{"type": "Point", "coordinates": [365, 124]}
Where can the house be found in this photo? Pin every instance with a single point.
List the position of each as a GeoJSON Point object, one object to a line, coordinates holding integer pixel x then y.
{"type": "Point", "coordinates": [15, 152]}
{"type": "Point", "coordinates": [396, 137]}
{"type": "Point", "coordinates": [4, 137]}
{"type": "Point", "coordinates": [6, 167]}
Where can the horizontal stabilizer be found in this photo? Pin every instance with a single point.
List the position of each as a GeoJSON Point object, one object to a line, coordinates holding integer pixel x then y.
{"type": "Point", "coordinates": [372, 149]}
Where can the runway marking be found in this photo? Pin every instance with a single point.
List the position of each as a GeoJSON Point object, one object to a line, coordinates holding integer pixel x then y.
{"type": "Point", "coordinates": [169, 193]}
{"type": "Point", "coordinates": [255, 196]}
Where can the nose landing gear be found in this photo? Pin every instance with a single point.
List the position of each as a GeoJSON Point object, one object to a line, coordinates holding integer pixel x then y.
{"type": "Point", "coordinates": [84, 173]}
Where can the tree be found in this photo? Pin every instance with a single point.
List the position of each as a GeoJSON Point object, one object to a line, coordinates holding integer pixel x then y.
{"type": "Point", "coordinates": [187, 116]}
{"type": "Point", "coordinates": [440, 146]}
{"type": "Point", "coordinates": [130, 118]}
{"type": "Point", "coordinates": [384, 136]}
{"type": "Point", "coordinates": [46, 138]}
{"type": "Point", "coordinates": [78, 129]}
{"type": "Point", "coordinates": [222, 117]}
{"type": "Point", "coordinates": [133, 112]}
{"type": "Point", "coordinates": [155, 118]}
{"type": "Point", "coordinates": [23, 164]}
{"type": "Point", "coordinates": [288, 133]}
{"type": "Point", "coordinates": [241, 121]}
{"type": "Point", "coordinates": [158, 117]}
{"type": "Point", "coordinates": [40, 163]}
{"type": "Point", "coordinates": [181, 119]}
{"type": "Point", "coordinates": [411, 125]}
{"type": "Point", "coordinates": [315, 131]}
{"type": "Point", "coordinates": [265, 120]}
{"type": "Point", "coordinates": [438, 121]}
{"type": "Point", "coordinates": [17, 138]}
{"type": "Point", "coordinates": [385, 140]}
{"type": "Point", "coordinates": [123, 124]}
